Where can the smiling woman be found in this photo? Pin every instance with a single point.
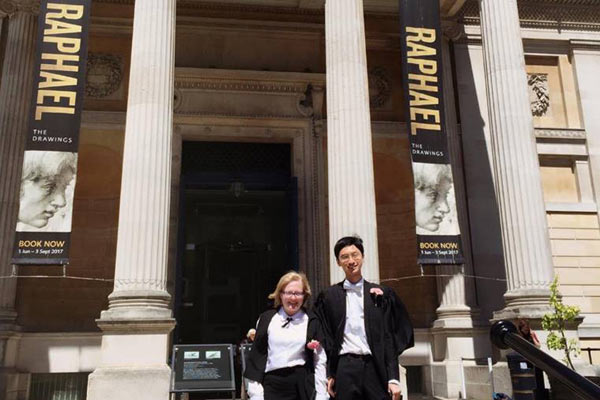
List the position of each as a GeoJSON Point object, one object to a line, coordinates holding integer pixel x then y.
{"type": "Point", "coordinates": [292, 292]}
{"type": "Point", "coordinates": [286, 361]}
{"type": "Point", "coordinates": [46, 187]}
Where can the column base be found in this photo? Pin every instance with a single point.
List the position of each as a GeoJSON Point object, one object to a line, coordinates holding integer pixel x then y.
{"type": "Point", "coordinates": [453, 343]}
{"type": "Point", "coordinates": [134, 360]}
{"type": "Point", "coordinates": [447, 384]}
{"type": "Point", "coordinates": [135, 342]}
{"type": "Point", "coordinates": [126, 383]}
{"type": "Point", "coordinates": [135, 347]}
{"type": "Point", "coordinates": [136, 305]}
{"type": "Point", "coordinates": [457, 316]}
{"type": "Point", "coordinates": [525, 303]}
{"type": "Point", "coordinates": [8, 321]}
{"type": "Point", "coordinates": [14, 385]}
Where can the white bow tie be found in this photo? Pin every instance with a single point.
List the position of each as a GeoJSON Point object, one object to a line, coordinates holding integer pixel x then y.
{"type": "Point", "coordinates": [353, 286]}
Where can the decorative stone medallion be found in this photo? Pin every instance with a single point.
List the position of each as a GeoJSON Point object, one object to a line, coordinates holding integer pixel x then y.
{"type": "Point", "coordinates": [10, 7]}
{"type": "Point", "coordinates": [104, 74]}
{"type": "Point", "coordinates": [380, 87]}
{"type": "Point", "coordinates": [539, 94]}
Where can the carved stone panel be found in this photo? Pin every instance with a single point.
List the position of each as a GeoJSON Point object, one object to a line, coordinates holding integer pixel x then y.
{"type": "Point", "coordinates": [539, 94]}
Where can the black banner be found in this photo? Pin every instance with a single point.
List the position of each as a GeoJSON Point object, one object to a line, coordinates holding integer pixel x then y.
{"type": "Point", "coordinates": [438, 234]}
{"type": "Point", "coordinates": [50, 159]}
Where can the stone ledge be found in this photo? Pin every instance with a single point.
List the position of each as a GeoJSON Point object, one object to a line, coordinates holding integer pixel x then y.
{"type": "Point", "coordinates": [571, 207]}
{"type": "Point", "coordinates": [132, 326]}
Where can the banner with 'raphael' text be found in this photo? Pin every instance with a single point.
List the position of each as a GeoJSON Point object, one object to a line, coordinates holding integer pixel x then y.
{"type": "Point", "coordinates": [438, 234]}
{"type": "Point", "coordinates": [50, 160]}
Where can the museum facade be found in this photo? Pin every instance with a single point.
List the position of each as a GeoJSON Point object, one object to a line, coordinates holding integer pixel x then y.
{"type": "Point", "coordinates": [223, 143]}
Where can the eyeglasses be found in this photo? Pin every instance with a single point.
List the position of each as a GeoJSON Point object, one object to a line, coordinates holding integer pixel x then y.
{"type": "Point", "coordinates": [293, 294]}
{"type": "Point", "coordinates": [345, 257]}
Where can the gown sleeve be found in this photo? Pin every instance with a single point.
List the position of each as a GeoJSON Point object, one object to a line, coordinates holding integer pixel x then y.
{"type": "Point", "coordinates": [401, 327]}
{"type": "Point", "coordinates": [327, 333]}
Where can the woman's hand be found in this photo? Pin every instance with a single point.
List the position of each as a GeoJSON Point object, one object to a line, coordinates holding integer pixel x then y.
{"type": "Point", "coordinates": [330, 385]}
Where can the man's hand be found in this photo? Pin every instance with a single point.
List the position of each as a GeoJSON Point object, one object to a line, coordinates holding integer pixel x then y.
{"type": "Point", "coordinates": [330, 384]}
{"type": "Point", "coordinates": [394, 391]}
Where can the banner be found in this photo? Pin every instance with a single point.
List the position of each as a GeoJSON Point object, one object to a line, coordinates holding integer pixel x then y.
{"type": "Point", "coordinates": [50, 159]}
{"type": "Point", "coordinates": [438, 234]}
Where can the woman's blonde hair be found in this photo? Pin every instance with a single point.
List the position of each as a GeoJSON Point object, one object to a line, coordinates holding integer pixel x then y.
{"type": "Point", "coordinates": [283, 282]}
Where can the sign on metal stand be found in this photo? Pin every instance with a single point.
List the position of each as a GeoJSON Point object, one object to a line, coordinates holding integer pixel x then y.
{"type": "Point", "coordinates": [202, 368]}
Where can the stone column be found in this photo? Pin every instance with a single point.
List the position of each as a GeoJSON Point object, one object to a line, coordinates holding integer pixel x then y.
{"type": "Point", "coordinates": [137, 323]}
{"type": "Point", "coordinates": [455, 292]}
{"type": "Point", "coordinates": [457, 332]}
{"type": "Point", "coordinates": [15, 96]}
{"type": "Point", "coordinates": [351, 184]}
{"type": "Point", "coordinates": [518, 185]}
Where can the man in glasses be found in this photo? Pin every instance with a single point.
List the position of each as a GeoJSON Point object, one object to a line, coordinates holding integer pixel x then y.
{"type": "Point", "coordinates": [366, 328]}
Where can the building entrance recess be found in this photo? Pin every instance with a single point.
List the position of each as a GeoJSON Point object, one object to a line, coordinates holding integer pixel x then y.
{"type": "Point", "coordinates": [237, 236]}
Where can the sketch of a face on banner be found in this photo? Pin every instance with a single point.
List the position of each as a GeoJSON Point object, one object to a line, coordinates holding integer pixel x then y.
{"type": "Point", "coordinates": [435, 204]}
{"type": "Point", "coordinates": [46, 195]}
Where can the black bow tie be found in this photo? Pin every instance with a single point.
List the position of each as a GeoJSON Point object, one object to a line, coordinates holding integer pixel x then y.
{"type": "Point", "coordinates": [287, 322]}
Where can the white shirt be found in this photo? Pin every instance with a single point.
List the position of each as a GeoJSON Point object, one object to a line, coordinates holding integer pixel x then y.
{"type": "Point", "coordinates": [355, 337]}
{"type": "Point", "coordinates": [286, 349]}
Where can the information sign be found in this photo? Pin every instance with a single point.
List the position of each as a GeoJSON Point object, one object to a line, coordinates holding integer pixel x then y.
{"type": "Point", "coordinates": [202, 367]}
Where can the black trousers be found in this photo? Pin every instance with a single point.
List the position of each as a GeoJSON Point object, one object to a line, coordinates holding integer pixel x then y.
{"type": "Point", "coordinates": [286, 384]}
{"type": "Point", "coordinates": [357, 379]}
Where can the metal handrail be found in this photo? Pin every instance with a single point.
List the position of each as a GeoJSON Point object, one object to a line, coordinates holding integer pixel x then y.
{"type": "Point", "coordinates": [504, 335]}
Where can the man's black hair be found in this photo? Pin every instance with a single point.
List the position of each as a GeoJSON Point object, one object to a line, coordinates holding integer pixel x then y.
{"type": "Point", "coordinates": [348, 241]}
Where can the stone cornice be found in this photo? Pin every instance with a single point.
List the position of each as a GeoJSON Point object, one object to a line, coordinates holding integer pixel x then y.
{"type": "Point", "coordinates": [585, 44]}
{"type": "Point", "coordinates": [10, 7]}
{"type": "Point", "coordinates": [233, 80]}
{"type": "Point", "coordinates": [247, 93]}
{"type": "Point", "coordinates": [115, 1]}
{"type": "Point", "coordinates": [564, 134]}
{"type": "Point", "coordinates": [111, 26]}
{"type": "Point", "coordinates": [576, 15]}
{"type": "Point", "coordinates": [448, 8]}
{"type": "Point", "coordinates": [196, 4]}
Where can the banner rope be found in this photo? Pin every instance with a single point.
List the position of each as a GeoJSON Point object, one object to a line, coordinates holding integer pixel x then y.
{"type": "Point", "coordinates": [82, 278]}
{"type": "Point", "coordinates": [485, 278]}
{"type": "Point", "coordinates": [402, 278]}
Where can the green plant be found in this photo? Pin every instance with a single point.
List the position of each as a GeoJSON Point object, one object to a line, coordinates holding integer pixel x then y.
{"type": "Point", "coordinates": [556, 323]}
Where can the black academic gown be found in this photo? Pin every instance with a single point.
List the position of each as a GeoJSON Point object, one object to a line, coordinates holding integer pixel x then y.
{"type": "Point", "coordinates": [387, 326]}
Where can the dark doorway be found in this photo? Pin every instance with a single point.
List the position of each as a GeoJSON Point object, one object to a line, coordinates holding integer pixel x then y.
{"type": "Point", "coordinates": [238, 235]}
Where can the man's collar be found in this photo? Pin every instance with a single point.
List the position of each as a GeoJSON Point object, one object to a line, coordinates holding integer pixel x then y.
{"type": "Point", "coordinates": [347, 285]}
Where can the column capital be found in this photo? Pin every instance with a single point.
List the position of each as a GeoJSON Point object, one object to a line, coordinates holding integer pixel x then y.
{"type": "Point", "coordinates": [11, 7]}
